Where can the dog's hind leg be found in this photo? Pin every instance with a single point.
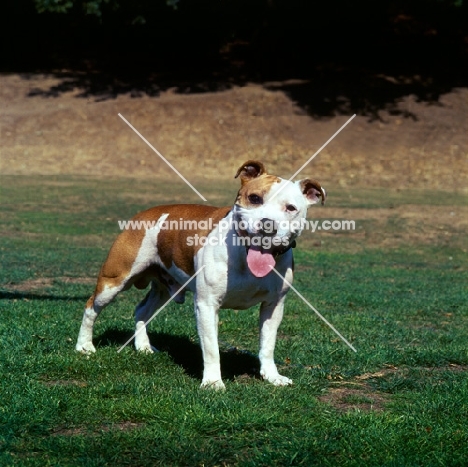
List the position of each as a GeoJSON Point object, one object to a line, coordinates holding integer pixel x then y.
{"type": "Point", "coordinates": [103, 295]}
{"type": "Point", "coordinates": [156, 297]}
{"type": "Point", "coordinates": [132, 254]}
{"type": "Point", "coordinates": [84, 343]}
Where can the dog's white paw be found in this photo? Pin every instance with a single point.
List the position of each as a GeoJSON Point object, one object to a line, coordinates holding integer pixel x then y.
{"type": "Point", "coordinates": [217, 385]}
{"type": "Point", "coordinates": [281, 381]}
{"type": "Point", "coordinates": [85, 348]}
{"type": "Point", "coordinates": [276, 379]}
{"type": "Point", "coordinates": [147, 348]}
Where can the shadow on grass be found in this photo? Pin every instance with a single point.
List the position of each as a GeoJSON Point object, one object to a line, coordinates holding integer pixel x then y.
{"type": "Point", "coordinates": [188, 354]}
{"type": "Point", "coordinates": [6, 295]}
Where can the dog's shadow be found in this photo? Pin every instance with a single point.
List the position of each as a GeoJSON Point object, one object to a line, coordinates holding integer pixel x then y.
{"type": "Point", "coordinates": [188, 355]}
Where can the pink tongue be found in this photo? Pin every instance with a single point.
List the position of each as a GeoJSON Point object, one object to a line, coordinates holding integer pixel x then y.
{"type": "Point", "coordinates": [259, 263]}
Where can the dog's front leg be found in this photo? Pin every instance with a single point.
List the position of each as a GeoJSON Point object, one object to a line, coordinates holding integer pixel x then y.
{"type": "Point", "coordinates": [271, 315]}
{"type": "Point", "coordinates": [207, 325]}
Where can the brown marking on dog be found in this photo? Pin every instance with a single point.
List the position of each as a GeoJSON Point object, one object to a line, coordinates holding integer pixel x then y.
{"type": "Point", "coordinates": [90, 302]}
{"type": "Point", "coordinates": [249, 170]}
{"type": "Point", "coordinates": [173, 247]}
{"type": "Point", "coordinates": [119, 262]}
{"type": "Point", "coordinates": [252, 194]}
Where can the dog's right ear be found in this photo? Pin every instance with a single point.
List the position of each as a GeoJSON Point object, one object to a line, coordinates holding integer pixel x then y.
{"type": "Point", "coordinates": [249, 170]}
{"type": "Point", "coordinates": [313, 191]}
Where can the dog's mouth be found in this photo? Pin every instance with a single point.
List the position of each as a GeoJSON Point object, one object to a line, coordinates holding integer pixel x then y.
{"type": "Point", "coordinates": [262, 252]}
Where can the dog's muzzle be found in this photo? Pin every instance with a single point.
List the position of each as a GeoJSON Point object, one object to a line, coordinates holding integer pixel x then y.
{"type": "Point", "coordinates": [264, 245]}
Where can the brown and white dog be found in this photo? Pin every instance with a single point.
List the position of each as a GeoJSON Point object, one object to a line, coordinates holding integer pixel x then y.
{"type": "Point", "coordinates": [237, 247]}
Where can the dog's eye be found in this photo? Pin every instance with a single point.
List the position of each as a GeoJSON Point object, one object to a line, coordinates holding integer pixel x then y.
{"type": "Point", "coordinates": [255, 199]}
{"type": "Point", "coordinates": [291, 208]}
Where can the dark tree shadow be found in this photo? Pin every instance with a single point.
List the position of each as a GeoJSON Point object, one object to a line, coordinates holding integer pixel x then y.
{"type": "Point", "coordinates": [103, 86]}
{"type": "Point", "coordinates": [188, 354]}
{"type": "Point", "coordinates": [347, 93]}
{"type": "Point", "coordinates": [322, 93]}
{"type": "Point", "coordinates": [346, 57]}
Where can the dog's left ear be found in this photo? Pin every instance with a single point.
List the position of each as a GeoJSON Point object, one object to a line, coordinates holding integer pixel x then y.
{"type": "Point", "coordinates": [312, 190]}
{"type": "Point", "coordinates": [249, 170]}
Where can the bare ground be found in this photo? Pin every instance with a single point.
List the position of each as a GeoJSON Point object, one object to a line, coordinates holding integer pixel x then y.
{"type": "Point", "coordinates": [212, 133]}
{"type": "Point", "coordinates": [41, 283]}
{"type": "Point", "coordinates": [359, 394]}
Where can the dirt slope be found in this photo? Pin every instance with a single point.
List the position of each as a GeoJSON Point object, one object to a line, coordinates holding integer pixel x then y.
{"type": "Point", "coordinates": [208, 133]}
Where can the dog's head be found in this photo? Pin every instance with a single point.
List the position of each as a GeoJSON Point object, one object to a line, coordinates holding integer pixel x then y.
{"type": "Point", "coordinates": [269, 213]}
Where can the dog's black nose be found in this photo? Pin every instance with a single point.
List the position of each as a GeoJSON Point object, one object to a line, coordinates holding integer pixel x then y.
{"type": "Point", "coordinates": [268, 227]}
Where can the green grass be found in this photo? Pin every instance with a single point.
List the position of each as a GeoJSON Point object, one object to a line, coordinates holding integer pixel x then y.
{"type": "Point", "coordinates": [401, 400]}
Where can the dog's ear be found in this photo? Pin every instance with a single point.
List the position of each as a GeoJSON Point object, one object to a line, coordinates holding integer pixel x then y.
{"type": "Point", "coordinates": [249, 170]}
{"type": "Point", "coordinates": [312, 190]}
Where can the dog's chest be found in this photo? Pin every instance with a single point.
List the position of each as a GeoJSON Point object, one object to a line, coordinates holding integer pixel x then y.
{"type": "Point", "coordinates": [242, 300]}
{"type": "Point", "coordinates": [244, 291]}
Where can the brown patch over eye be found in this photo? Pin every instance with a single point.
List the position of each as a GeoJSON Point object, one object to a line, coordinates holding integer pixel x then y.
{"type": "Point", "coordinates": [255, 199]}
{"type": "Point", "coordinates": [252, 193]}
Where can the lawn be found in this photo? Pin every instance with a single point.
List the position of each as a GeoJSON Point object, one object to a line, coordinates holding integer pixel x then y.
{"type": "Point", "coordinates": [396, 287]}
